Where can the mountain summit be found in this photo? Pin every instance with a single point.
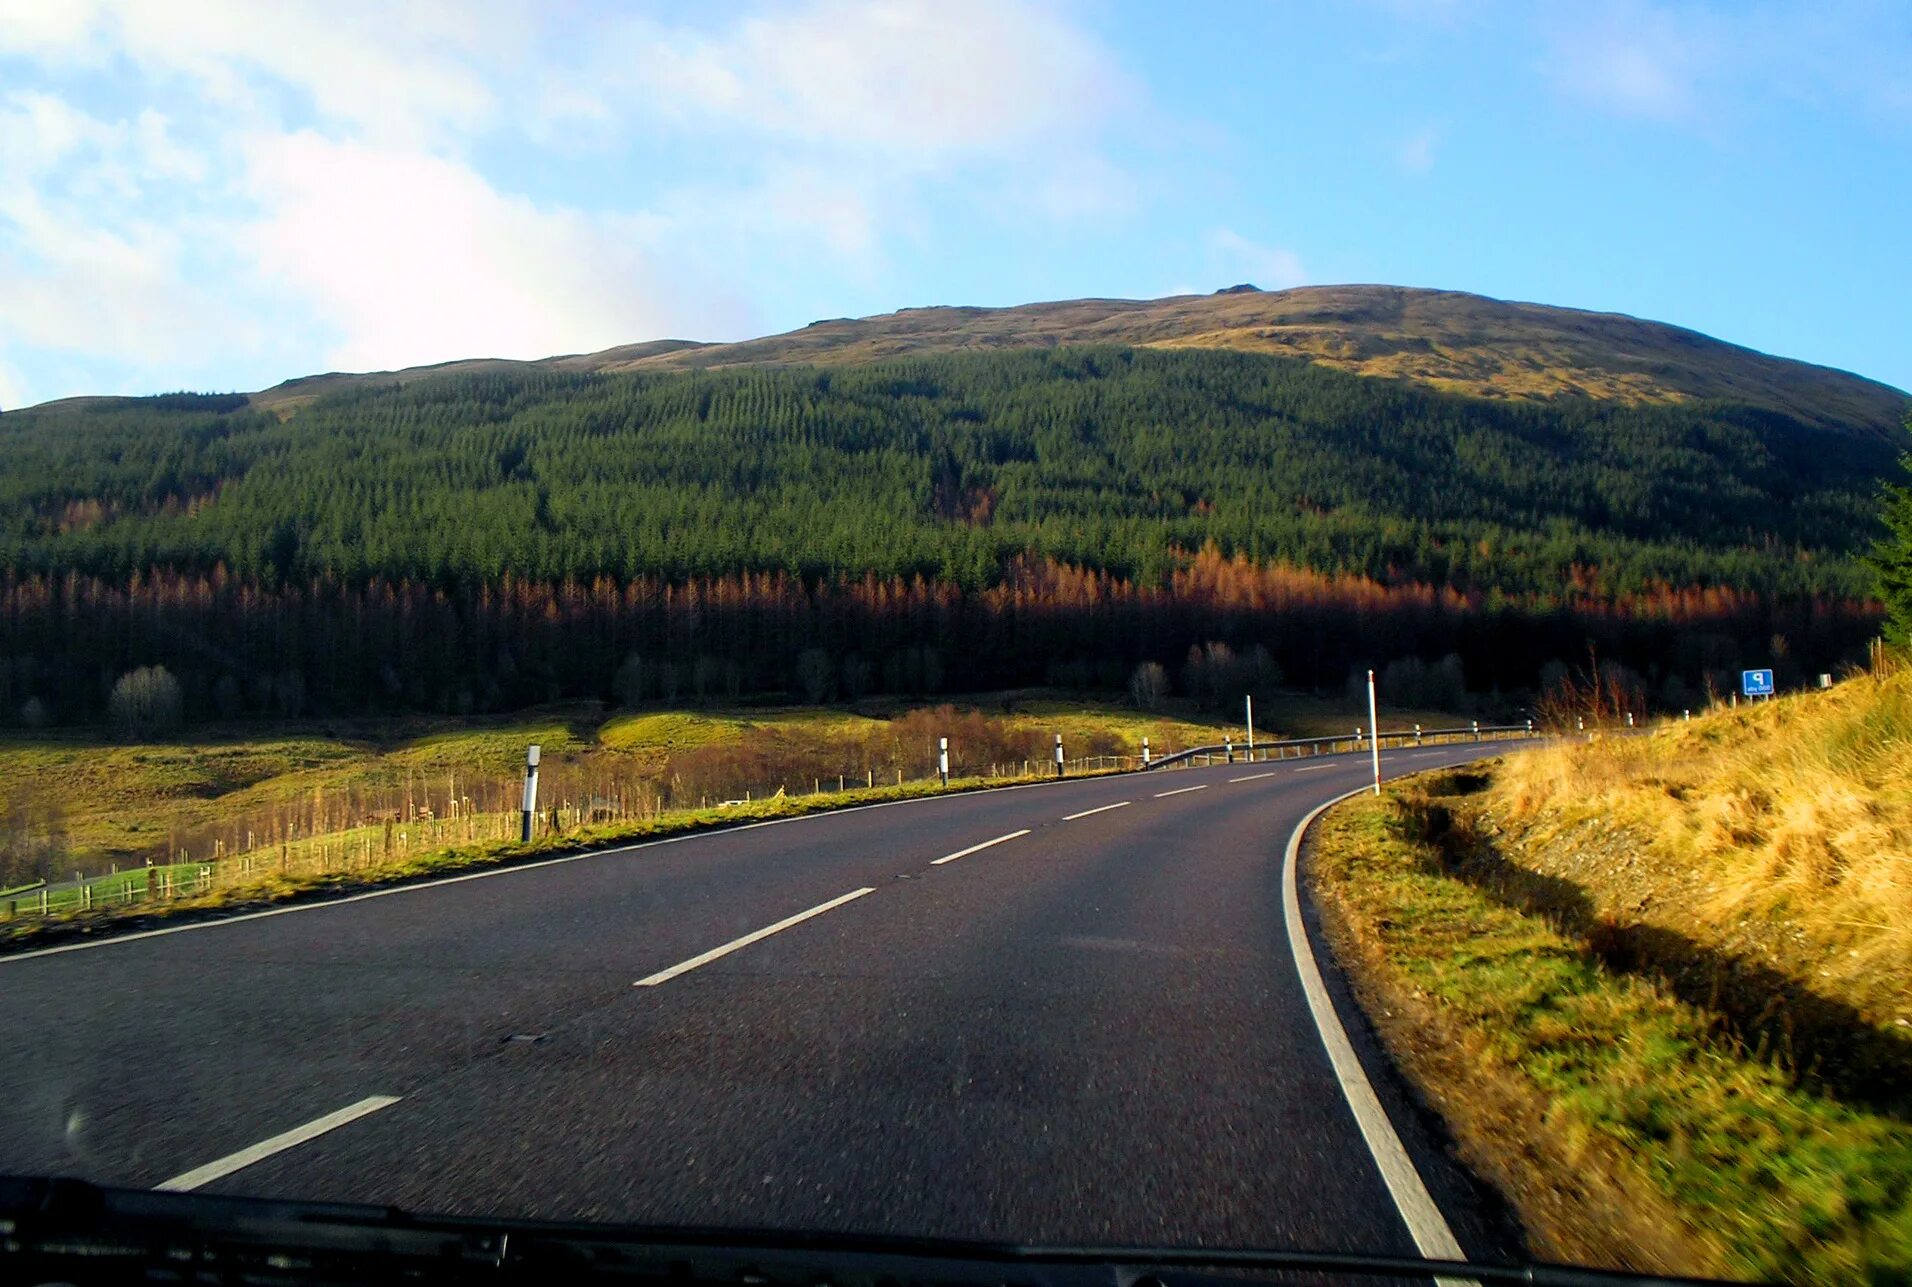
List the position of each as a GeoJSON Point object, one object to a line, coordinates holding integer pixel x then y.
{"type": "Point", "coordinates": [1447, 340]}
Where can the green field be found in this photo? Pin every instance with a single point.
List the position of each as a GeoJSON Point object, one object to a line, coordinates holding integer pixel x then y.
{"type": "Point", "coordinates": [103, 801]}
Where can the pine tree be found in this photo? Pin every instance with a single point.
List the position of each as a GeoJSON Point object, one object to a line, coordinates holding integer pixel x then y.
{"type": "Point", "coordinates": [1892, 558]}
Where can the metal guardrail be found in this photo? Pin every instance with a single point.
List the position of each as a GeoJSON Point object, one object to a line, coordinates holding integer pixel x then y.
{"type": "Point", "coordinates": [1306, 746]}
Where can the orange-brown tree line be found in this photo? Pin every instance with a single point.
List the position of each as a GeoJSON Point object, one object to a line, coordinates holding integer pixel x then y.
{"type": "Point", "coordinates": [240, 647]}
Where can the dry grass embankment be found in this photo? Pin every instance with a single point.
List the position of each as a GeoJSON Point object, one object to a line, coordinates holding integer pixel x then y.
{"type": "Point", "coordinates": [1656, 986]}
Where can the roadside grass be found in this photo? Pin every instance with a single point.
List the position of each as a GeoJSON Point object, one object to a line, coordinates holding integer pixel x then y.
{"type": "Point", "coordinates": [1780, 833]}
{"type": "Point", "coordinates": [335, 864]}
{"type": "Point", "coordinates": [1629, 1127]}
{"type": "Point", "coordinates": [105, 800]}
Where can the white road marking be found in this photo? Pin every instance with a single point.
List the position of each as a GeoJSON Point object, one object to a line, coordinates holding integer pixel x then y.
{"type": "Point", "coordinates": [298, 1135]}
{"type": "Point", "coordinates": [1071, 817]}
{"type": "Point", "coordinates": [1422, 755]}
{"type": "Point", "coordinates": [964, 853]}
{"type": "Point", "coordinates": [1310, 768]}
{"type": "Point", "coordinates": [1163, 795]}
{"type": "Point", "coordinates": [1254, 776]}
{"type": "Point", "coordinates": [1417, 1207]}
{"type": "Point", "coordinates": [705, 958]}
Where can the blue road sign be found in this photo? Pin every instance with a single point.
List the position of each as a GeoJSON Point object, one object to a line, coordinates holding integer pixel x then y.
{"type": "Point", "coordinates": [1756, 683]}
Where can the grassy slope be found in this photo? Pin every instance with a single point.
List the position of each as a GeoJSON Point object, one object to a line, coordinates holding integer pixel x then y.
{"type": "Point", "coordinates": [1656, 985]}
{"type": "Point", "coordinates": [1779, 833]}
{"type": "Point", "coordinates": [120, 799]}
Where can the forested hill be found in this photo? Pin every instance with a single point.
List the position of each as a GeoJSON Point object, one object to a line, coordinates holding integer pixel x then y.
{"type": "Point", "coordinates": [946, 467]}
{"type": "Point", "coordinates": [1446, 340]}
{"type": "Point", "coordinates": [969, 520]}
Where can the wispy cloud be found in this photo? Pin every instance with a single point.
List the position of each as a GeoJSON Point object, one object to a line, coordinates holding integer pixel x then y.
{"type": "Point", "coordinates": [1710, 68]}
{"type": "Point", "coordinates": [1635, 59]}
{"type": "Point", "coordinates": [1415, 153]}
{"type": "Point", "coordinates": [1269, 267]}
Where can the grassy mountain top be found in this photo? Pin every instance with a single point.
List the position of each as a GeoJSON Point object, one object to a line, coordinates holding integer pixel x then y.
{"type": "Point", "coordinates": [1447, 340]}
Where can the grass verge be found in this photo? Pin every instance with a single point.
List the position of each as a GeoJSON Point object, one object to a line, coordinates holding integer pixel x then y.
{"type": "Point", "coordinates": [1629, 1128]}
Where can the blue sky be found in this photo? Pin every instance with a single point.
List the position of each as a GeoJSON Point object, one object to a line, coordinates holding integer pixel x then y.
{"type": "Point", "coordinates": [221, 195]}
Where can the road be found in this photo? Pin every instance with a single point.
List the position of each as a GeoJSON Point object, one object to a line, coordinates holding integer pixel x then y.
{"type": "Point", "coordinates": [1089, 1031]}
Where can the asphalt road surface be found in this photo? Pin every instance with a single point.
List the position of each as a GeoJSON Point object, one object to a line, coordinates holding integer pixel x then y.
{"type": "Point", "coordinates": [1090, 1031]}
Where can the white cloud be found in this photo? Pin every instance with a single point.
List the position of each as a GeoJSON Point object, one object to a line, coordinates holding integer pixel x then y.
{"type": "Point", "coordinates": [82, 268]}
{"type": "Point", "coordinates": [1269, 267]}
{"type": "Point", "coordinates": [319, 180]}
{"type": "Point", "coordinates": [911, 78]}
{"type": "Point", "coordinates": [412, 71]}
{"type": "Point", "coordinates": [414, 259]}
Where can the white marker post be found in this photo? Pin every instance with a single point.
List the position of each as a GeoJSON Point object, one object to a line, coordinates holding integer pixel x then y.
{"type": "Point", "coordinates": [1250, 700]}
{"type": "Point", "coordinates": [1058, 755]}
{"type": "Point", "coordinates": [530, 792]}
{"type": "Point", "coordinates": [942, 759]}
{"type": "Point", "coordinates": [1145, 753]}
{"type": "Point", "coordinates": [1374, 733]}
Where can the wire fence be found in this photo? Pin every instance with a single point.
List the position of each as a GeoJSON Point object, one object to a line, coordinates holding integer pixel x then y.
{"type": "Point", "coordinates": [366, 845]}
{"type": "Point", "coordinates": [324, 842]}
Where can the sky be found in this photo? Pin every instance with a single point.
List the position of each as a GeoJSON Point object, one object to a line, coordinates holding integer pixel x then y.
{"type": "Point", "coordinates": [219, 195]}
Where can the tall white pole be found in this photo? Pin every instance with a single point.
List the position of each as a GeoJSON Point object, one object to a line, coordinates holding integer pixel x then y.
{"type": "Point", "coordinates": [1374, 733]}
{"type": "Point", "coordinates": [1250, 699]}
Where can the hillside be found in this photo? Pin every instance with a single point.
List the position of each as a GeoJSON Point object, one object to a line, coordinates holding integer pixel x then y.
{"type": "Point", "coordinates": [1446, 340]}
{"type": "Point", "coordinates": [992, 508]}
{"type": "Point", "coordinates": [1103, 458]}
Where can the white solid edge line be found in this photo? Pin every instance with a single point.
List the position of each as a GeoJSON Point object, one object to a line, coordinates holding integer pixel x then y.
{"type": "Point", "coordinates": [1417, 1206]}
{"type": "Point", "coordinates": [964, 853]}
{"type": "Point", "coordinates": [518, 868]}
{"type": "Point", "coordinates": [705, 958]}
{"type": "Point", "coordinates": [1254, 776]}
{"type": "Point", "coordinates": [1163, 795]}
{"type": "Point", "coordinates": [298, 1135]}
{"type": "Point", "coordinates": [1120, 804]}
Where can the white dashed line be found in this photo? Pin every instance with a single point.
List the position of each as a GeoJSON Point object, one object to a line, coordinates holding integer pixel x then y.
{"type": "Point", "coordinates": [964, 853]}
{"type": "Point", "coordinates": [1254, 776]}
{"type": "Point", "coordinates": [684, 967]}
{"type": "Point", "coordinates": [1071, 817]}
{"type": "Point", "coordinates": [1163, 795]}
{"type": "Point", "coordinates": [1310, 768]}
{"type": "Point", "coordinates": [277, 1144]}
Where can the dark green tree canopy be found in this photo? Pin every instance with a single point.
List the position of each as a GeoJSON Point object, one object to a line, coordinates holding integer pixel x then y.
{"type": "Point", "coordinates": [1892, 557]}
{"type": "Point", "coordinates": [949, 467]}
